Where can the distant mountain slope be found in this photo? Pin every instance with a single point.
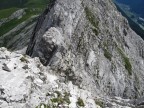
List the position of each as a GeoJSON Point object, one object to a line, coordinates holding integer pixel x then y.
{"type": "Point", "coordinates": [134, 12]}
{"type": "Point", "coordinates": [7, 7]}
{"type": "Point", "coordinates": [15, 18]}
{"type": "Point", "coordinates": [137, 6]}
{"type": "Point", "coordinates": [11, 3]}
{"type": "Point", "coordinates": [92, 59]}
{"type": "Point", "coordinates": [22, 3]}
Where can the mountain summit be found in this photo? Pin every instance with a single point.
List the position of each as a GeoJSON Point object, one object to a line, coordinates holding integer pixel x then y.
{"type": "Point", "coordinates": [91, 59]}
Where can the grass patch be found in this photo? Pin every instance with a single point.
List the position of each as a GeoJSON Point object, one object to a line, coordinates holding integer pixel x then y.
{"type": "Point", "coordinates": [36, 3]}
{"type": "Point", "coordinates": [99, 103]}
{"type": "Point", "coordinates": [107, 54]}
{"type": "Point", "coordinates": [95, 31]}
{"type": "Point", "coordinates": [58, 93]}
{"type": "Point", "coordinates": [43, 106]}
{"type": "Point", "coordinates": [4, 13]}
{"type": "Point", "coordinates": [80, 102]}
{"type": "Point", "coordinates": [61, 99]}
{"type": "Point", "coordinates": [23, 59]}
{"type": "Point", "coordinates": [91, 18]}
{"type": "Point", "coordinates": [4, 4]}
{"type": "Point", "coordinates": [57, 100]}
{"type": "Point", "coordinates": [13, 23]}
{"type": "Point", "coordinates": [12, 35]}
{"type": "Point", "coordinates": [128, 65]}
{"type": "Point", "coordinates": [126, 60]}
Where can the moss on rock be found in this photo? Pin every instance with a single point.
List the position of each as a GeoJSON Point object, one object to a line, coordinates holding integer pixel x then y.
{"type": "Point", "coordinates": [80, 102]}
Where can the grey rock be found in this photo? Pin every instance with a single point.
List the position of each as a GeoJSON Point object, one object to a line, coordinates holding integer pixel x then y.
{"type": "Point", "coordinates": [25, 67]}
{"type": "Point", "coordinates": [6, 68]}
{"type": "Point", "coordinates": [34, 88]}
{"type": "Point", "coordinates": [87, 49]}
{"type": "Point", "coordinates": [95, 42]}
{"type": "Point", "coordinates": [18, 14]}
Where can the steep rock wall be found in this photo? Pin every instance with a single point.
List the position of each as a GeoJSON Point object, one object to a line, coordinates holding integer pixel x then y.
{"type": "Point", "coordinates": [89, 43]}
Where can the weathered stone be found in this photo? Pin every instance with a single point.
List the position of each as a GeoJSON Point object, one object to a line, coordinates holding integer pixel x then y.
{"type": "Point", "coordinates": [6, 68]}
{"type": "Point", "coordinates": [89, 51]}
{"type": "Point", "coordinates": [25, 67]}
{"type": "Point", "coordinates": [102, 52]}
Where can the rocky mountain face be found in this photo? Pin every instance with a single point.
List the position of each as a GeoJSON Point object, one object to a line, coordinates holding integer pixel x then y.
{"type": "Point", "coordinates": [92, 41]}
{"type": "Point", "coordinates": [26, 83]}
{"type": "Point", "coordinates": [91, 58]}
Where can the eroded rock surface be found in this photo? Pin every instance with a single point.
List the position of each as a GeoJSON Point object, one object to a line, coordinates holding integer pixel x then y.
{"type": "Point", "coordinates": [32, 85]}
{"type": "Point", "coordinates": [94, 42]}
{"type": "Point", "coordinates": [91, 58]}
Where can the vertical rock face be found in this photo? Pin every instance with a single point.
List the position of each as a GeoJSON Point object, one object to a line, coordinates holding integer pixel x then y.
{"type": "Point", "coordinates": [90, 43]}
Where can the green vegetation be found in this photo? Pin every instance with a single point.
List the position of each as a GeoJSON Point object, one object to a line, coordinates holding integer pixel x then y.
{"type": "Point", "coordinates": [4, 13]}
{"type": "Point", "coordinates": [61, 99]}
{"type": "Point", "coordinates": [126, 60]}
{"type": "Point", "coordinates": [23, 59]}
{"type": "Point", "coordinates": [7, 7]}
{"type": "Point", "coordinates": [91, 18]}
{"type": "Point", "coordinates": [13, 23]}
{"type": "Point", "coordinates": [12, 35]}
{"type": "Point", "coordinates": [43, 106]}
{"type": "Point", "coordinates": [105, 48]}
{"type": "Point", "coordinates": [57, 100]}
{"type": "Point", "coordinates": [66, 98]}
{"type": "Point", "coordinates": [4, 4]}
{"type": "Point", "coordinates": [80, 102]}
{"type": "Point", "coordinates": [99, 103]}
{"type": "Point", "coordinates": [36, 3]}
{"type": "Point", "coordinates": [107, 54]}
{"type": "Point", "coordinates": [95, 31]}
{"type": "Point", "coordinates": [58, 93]}
{"type": "Point", "coordinates": [128, 65]}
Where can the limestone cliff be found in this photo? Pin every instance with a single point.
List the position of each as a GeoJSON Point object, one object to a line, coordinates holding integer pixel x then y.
{"type": "Point", "coordinates": [26, 83]}
{"type": "Point", "coordinates": [91, 59]}
{"type": "Point", "coordinates": [93, 45]}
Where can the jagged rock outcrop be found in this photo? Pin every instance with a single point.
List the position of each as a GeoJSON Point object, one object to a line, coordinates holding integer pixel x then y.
{"type": "Point", "coordinates": [26, 83]}
{"type": "Point", "coordinates": [94, 43]}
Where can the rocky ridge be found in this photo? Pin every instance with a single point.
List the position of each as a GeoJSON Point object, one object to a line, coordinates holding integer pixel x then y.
{"type": "Point", "coordinates": [26, 83]}
{"type": "Point", "coordinates": [92, 41]}
{"type": "Point", "coordinates": [91, 58]}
